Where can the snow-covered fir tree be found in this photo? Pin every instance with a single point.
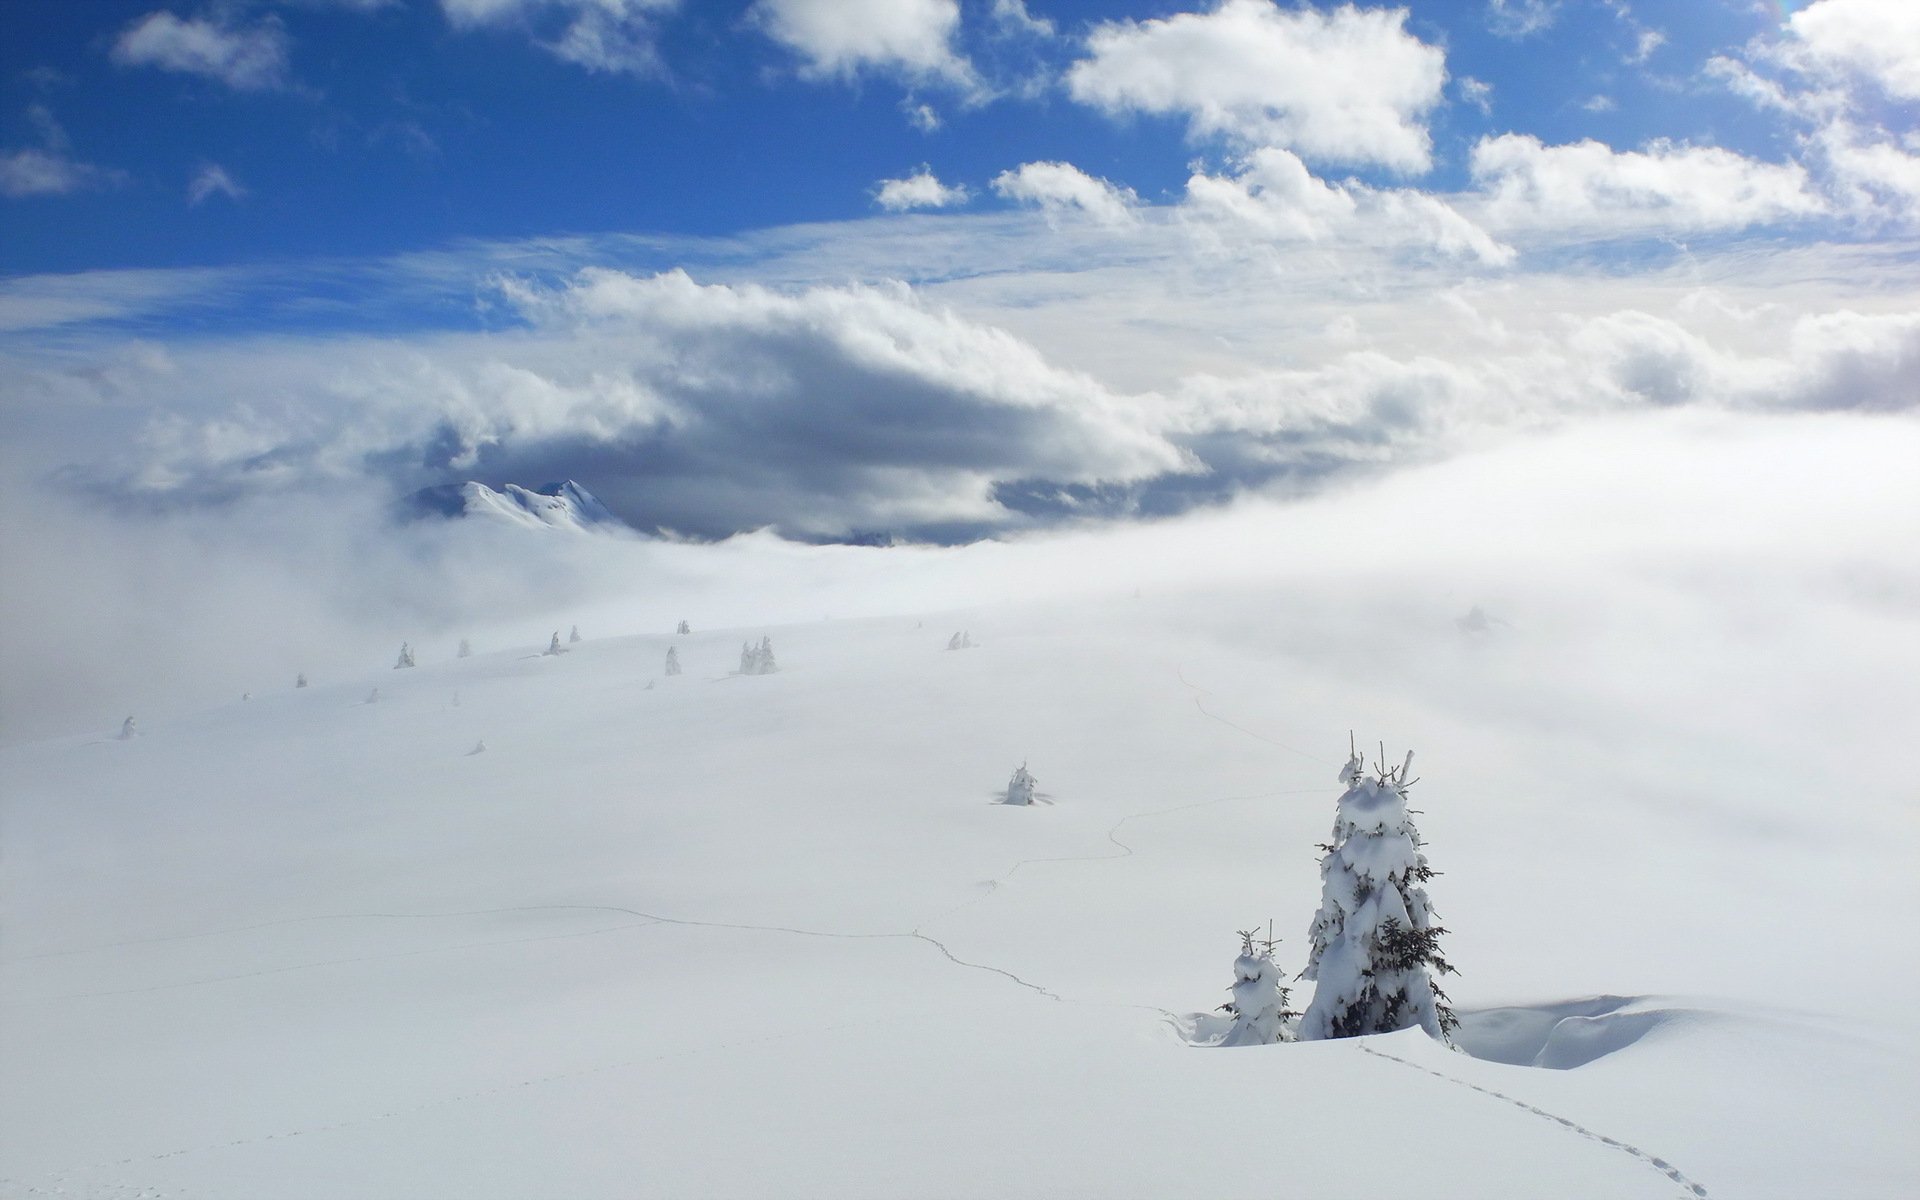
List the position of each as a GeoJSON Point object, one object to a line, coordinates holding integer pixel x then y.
{"type": "Point", "coordinates": [127, 731]}
{"type": "Point", "coordinates": [683, 628]}
{"type": "Point", "coordinates": [757, 659]}
{"type": "Point", "coordinates": [1259, 1004]}
{"type": "Point", "coordinates": [960, 641]}
{"type": "Point", "coordinates": [373, 697]}
{"type": "Point", "coordinates": [554, 646]}
{"type": "Point", "coordinates": [573, 635]}
{"type": "Point", "coordinates": [406, 657]}
{"type": "Point", "coordinates": [300, 680]}
{"type": "Point", "coordinates": [1020, 787]}
{"type": "Point", "coordinates": [1374, 945]}
{"type": "Point", "coordinates": [673, 660]}
{"type": "Point", "coordinates": [465, 651]}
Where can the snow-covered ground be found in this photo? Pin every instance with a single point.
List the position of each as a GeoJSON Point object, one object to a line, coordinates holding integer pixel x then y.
{"type": "Point", "coordinates": [774, 935]}
{"type": "Point", "coordinates": [717, 935]}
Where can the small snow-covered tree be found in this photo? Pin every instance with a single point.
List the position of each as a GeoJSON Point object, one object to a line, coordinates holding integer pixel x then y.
{"type": "Point", "coordinates": [1374, 945]}
{"type": "Point", "coordinates": [300, 680]}
{"type": "Point", "coordinates": [683, 628]}
{"type": "Point", "coordinates": [673, 660]}
{"type": "Point", "coordinates": [554, 646]}
{"type": "Point", "coordinates": [573, 635]}
{"type": "Point", "coordinates": [757, 659]}
{"type": "Point", "coordinates": [1259, 1004]}
{"type": "Point", "coordinates": [373, 697]}
{"type": "Point", "coordinates": [127, 731]}
{"type": "Point", "coordinates": [406, 657]}
{"type": "Point", "coordinates": [1020, 787]}
{"type": "Point", "coordinates": [465, 651]}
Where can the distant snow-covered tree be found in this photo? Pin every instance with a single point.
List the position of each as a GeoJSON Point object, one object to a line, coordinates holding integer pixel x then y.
{"type": "Point", "coordinates": [554, 646]}
{"type": "Point", "coordinates": [683, 628]}
{"type": "Point", "coordinates": [673, 660]}
{"type": "Point", "coordinates": [1374, 945]}
{"type": "Point", "coordinates": [127, 731]}
{"type": "Point", "coordinates": [1020, 787]}
{"type": "Point", "coordinates": [373, 697]}
{"type": "Point", "coordinates": [479, 747]}
{"type": "Point", "coordinates": [573, 635]}
{"type": "Point", "coordinates": [465, 651]}
{"type": "Point", "coordinates": [960, 641]}
{"type": "Point", "coordinates": [757, 659]}
{"type": "Point", "coordinates": [406, 657]}
{"type": "Point", "coordinates": [1259, 1004]}
{"type": "Point", "coordinates": [300, 680]}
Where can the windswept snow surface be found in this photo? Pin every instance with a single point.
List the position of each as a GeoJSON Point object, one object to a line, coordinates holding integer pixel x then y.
{"type": "Point", "coordinates": [715, 935]}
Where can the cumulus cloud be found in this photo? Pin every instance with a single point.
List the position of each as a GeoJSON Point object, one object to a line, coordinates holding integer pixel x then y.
{"type": "Point", "coordinates": [212, 180]}
{"type": "Point", "coordinates": [1871, 41]}
{"type": "Point", "coordinates": [1060, 188]}
{"type": "Point", "coordinates": [839, 39]}
{"type": "Point", "coordinates": [1529, 185]}
{"type": "Point", "coordinates": [922, 189]}
{"type": "Point", "coordinates": [247, 58]}
{"type": "Point", "coordinates": [1832, 68]}
{"type": "Point", "coordinates": [1348, 86]}
{"type": "Point", "coordinates": [1273, 196]}
{"type": "Point", "coordinates": [615, 36]}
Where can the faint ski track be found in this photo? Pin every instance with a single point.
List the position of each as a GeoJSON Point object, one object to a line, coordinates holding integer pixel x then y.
{"type": "Point", "coordinates": [1199, 691]}
{"type": "Point", "coordinates": [1691, 1189]}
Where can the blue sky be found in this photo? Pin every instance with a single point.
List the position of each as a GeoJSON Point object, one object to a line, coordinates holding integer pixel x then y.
{"type": "Point", "coordinates": [357, 127]}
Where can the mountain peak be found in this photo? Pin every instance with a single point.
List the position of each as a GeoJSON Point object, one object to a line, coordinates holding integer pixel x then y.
{"type": "Point", "coordinates": [565, 505]}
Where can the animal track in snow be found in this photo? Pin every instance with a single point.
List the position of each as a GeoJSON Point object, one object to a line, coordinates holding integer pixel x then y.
{"type": "Point", "coordinates": [1691, 1189]}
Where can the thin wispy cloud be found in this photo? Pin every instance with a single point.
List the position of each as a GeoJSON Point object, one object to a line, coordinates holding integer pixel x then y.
{"type": "Point", "coordinates": [246, 57]}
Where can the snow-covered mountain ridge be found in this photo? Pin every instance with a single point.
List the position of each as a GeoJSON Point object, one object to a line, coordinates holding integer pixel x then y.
{"type": "Point", "coordinates": [566, 506]}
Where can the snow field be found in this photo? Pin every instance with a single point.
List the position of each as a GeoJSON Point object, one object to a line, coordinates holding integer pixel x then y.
{"type": "Point", "coordinates": [701, 939]}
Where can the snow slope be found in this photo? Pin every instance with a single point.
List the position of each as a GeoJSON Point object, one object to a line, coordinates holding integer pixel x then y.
{"type": "Point", "coordinates": [773, 936]}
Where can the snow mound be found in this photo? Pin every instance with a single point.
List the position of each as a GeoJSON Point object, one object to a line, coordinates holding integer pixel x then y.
{"type": "Point", "coordinates": [1564, 1034]}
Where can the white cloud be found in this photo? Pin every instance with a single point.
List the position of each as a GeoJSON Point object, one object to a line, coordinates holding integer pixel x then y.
{"type": "Point", "coordinates": [1871, 40]}
{"type": "Point", "coordinates": [1599, 102]}
{"type": "Point", "coordinates": [1528, 185]}
{"type": "Point", "coordinates": [1521, 18]}
{"type": "Point", "coordinates": [212, 180]}
{"type": "Point", "coordinates": [1059, 188]}
{"type": "Point", "coordinates": [615, 36]}
{"type": "Point", "coordinates": [922, 189]}
{"type": "Point", "coordinates": [1476, 92]}
{"type": "Point", "coordinates": [49, 169]}
{"type": "Point", "coordinates": [1346, 86]}
{"type": "Point", "coordinates": [35, 172]}
{"type": "Point", "coordinates": [838, 39]}
{"type": "Point", "coordinates": [251, 59]}
{"type": "Point", "coordinates": [1273, 196]}
{"type": "Point", "coordinates": [1645, 42]}
{"type": "Point", "coordinates": [1875, 177]}
{"type": "Point", "coordinates": [1012, 18]}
